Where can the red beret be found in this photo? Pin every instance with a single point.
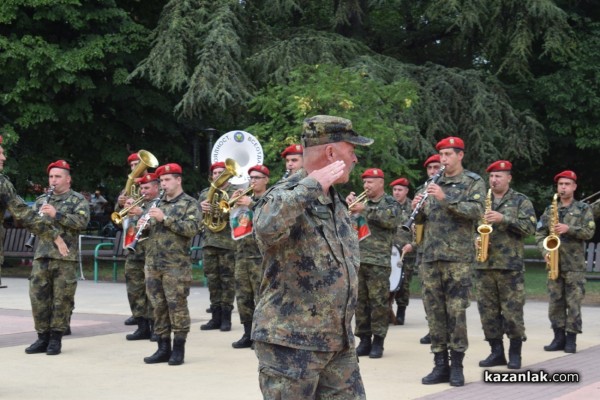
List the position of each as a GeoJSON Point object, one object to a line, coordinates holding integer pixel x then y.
{"type": "Point", "coordinates": [372, 173]}
{"type": "Point", "coordinates": [450, 142]}
{"type": "Point", "coordinates": [432, 159]}
{"type": "Point", "coordinates": [132, 157]}
{"type": "Point", "coordinates": [293, 149]}
{"type": "Point", "coordinates": [260, 168]}
{"type": "Point", "coordinates": [500, 165]}
{"type": "Point", "coordinates": [218, 164]}
{"type": "Point", "coordinates": [147, 178]}
{"type": "Point", "coordinates": [566, 174]}
{"type": "Point", "coordinates": [400, 181]}
{"type": "Point", "coordinates": [59, 164]}
{"type": "Point", "coordinates": [171, 168]}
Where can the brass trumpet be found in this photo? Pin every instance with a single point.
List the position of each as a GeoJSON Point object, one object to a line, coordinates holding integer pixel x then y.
{"type": "Point", "coordinates": [225, 205]}
{"type": "Point", "coordinates": [117, 217]}
{"type": "Point", "coordinates": [361, 198]}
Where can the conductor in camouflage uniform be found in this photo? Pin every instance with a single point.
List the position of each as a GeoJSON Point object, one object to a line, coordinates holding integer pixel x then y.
{"type": "Point", "coordinates": [53, 279]}
{"type": "Point", "coordinates": [450, 213]}
{"type": "Point", "coordinates": [500, 278]}
{"type": "Point", "coordinates": [302, 322]}
{"type": "Point", "coordinates": [381, 213]}
{"type": "Point", "coordinates": [218, 260]}
{"type": "Point", "coordinates": [575, 225]}
{"type": "Point", "coordinates": [172, 225]}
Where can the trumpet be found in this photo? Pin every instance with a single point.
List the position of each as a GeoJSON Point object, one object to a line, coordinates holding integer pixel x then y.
{"type": "Point", "coordinates": [117, 217]}
{"type": "Point", "coordinates": [225, 205]}
{"type": "Point", "coordinates": [361, 198]}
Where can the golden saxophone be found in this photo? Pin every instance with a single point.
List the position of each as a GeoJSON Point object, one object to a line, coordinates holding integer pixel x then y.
{"type": "Point", "coordinates": [552, 241]}
{"type": "Point", "coordinates": [484, 230]}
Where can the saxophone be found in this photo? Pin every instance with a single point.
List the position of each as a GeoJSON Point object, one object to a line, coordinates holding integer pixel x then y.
{"type": "Point", "coordinates": [483, 240]}
{"type": "Point", "coordinates": [552, 241]}
{"type": "Point", "coordinates": [216, 220]}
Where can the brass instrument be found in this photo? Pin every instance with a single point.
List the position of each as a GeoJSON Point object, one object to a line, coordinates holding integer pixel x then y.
{"type": "Point", "coordinates": [147, 160]}
{"type": "Point", "coordinates": [361, 198]}
{"type": "Point", "coordinates": [31, 240]}
{"type": "Point", "coordinates": [216, 220]}
{"type": "Point", "coordinates": [552, 241]}
{"type": "Point", "coordinates": [117, 217]}
{"type": "Point", "coordinates": [144, 219]}
{"type": "Point", "coordinates": [225, 205]}
{"type": "Point", "coordinates": [485, 229]}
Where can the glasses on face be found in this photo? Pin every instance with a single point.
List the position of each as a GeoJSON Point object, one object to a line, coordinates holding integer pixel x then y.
{"type": "Point", "coordinates": [255, 178]}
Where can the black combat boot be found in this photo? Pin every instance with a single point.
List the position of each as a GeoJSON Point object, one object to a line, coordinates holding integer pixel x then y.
{"type": "Point", "coordinates": [496, 357]}
{"type": "Point", "coordinates": [178, 351]}
{"type": "Point", "coordinates": [226, 319]}
{"type": "Point", "coordinates": [40, 345]}
{"type": "Point", "coordinates": [153, 336]}
{"type": "Point", "coordinates": [425, 339]}
{"type": "Point", "coordinates": [245, 341]}
{"type": "Point", "coordinates": [215, 321]}
{"type": "Point", "coordinates": [400, 312]}
{"type": "Point", "coordinates": [364, 348]}
{"type": "Point", "coordinates": [514, 354]}
{"type": "Point", "coordinates": [130, 321]}
{"type": "Point", "coordinates": [142, 332]}
{"type": "Point", "coordinates": [377, 347]}
{"type": "Point", "coordinates": [162, 354]}
{"type": "Point", "coordinates": [441, 370]}
{"type": "Point", "coordinates": [457, 377]}
{"type": "Point", "coordinates": [571, 342]}
{"type": "Point", "coordinates": [67, 331]}
{"type": "Point", "coordinates": [55, 343]}
{"type": "Point", "coordinates": [558, 343]}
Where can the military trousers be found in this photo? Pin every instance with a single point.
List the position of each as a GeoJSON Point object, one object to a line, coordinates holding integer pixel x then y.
{"type": "Point", "coordinates": [402, 296]}
{"type": "Point", "coordinates": [248, 274]}
{"type": "Point", "coordinates": [288, 373]}
{"type": "Point", "coordinates": [135, 283]}
{"type": "Point", "coordinates": [219, 267]}
{"type": "Point", "coordinates": [500, 301]}
{"type": "Point", "coordinates": [566, 294]}
{"type": "Point", "coordinates": [372, 304]}
{"type": "Point", "coordinates": [52, 286]}
{"type": "Point", "coordinates": [446, 287]}
{"type": "Point", "coordinates": [168, 289]}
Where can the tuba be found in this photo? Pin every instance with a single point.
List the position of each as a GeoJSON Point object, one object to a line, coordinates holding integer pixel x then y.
{"type": "Point", "coordinates": [552, 241]}
{"type": "Point", "coordinates": [242, 147]}
{"type": "Point", "coordinates": [217, 218]}
{"type": "Point", "coordinates": [147, 160]}
{"type": "Point", "coordinates": [483, 240]}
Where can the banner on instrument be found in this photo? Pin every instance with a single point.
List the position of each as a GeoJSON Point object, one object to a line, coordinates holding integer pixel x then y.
{"type": "Point", "coordinates": [359, 223]}
{"type": "Point", "coordinates": [241, 222]}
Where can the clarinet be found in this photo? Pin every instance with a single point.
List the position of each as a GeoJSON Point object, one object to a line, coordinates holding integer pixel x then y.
{"type": "Point", "coordinates": [434, 179]}
{"type": "Point", "coordinates": [31, 239]}
{"type": "Point", "coordinates": [145, 219]}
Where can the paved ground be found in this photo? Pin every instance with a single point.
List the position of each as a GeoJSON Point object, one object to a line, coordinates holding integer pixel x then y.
{"type": "Point", "coordinates": [98, 363]}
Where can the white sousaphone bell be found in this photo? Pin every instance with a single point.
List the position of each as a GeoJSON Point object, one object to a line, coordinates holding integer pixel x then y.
{"type": "Point", "coordinates": [242, 147]}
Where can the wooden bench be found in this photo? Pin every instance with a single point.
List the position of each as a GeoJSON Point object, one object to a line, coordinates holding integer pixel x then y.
{"type": "Point", "coordinates": [196, 254]}
{"type": "Point", "coordinates": [592, 261]}
{"type": "Point", "coordinates": [14, 243]}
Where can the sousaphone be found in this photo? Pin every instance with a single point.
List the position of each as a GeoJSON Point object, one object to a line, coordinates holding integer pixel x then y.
{"type": "Point", "coordinates": [242, 147]}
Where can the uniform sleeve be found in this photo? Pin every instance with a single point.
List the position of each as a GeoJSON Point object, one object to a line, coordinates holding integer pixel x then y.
{"type": "Point", "coordinates": [471, 205]}
{"type": "Point", "coordinates": [586, 228]}
{"type": "Point", "coordinates": [525, 222]}
{"type": "Point", "coordinates": [78, 219]}
{"type": "Point", "coordinates": [185, 223]}
{"type": "Point", "coordinates": [384, 215]}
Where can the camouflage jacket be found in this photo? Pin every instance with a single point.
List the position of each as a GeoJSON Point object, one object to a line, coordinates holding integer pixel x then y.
{"type": "Point", "coordinates": [578, 216]}
{"type": "Point", "coordinates": [449, 226]}
{"type": "Point", "coordinates": [247, 247]}
{"type": "Point", "coordinates": [505, 250]}
{"type": "Point", "coordinates": [310, 262]}
{"type": "Point", "coordinates": [72, 216]}
{"type": "Point", "coordinates": [383, 219]}
{"type": "Point", "coordinates": [402, 237]}
{"type": "Point", "coordinates": [169, 241]}
{"type": "Point", "coordinates": [222, 239]}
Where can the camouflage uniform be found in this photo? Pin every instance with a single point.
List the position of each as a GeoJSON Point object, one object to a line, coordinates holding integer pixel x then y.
{"type": "Point", "coordinates": [135, 278]}
{"type": "Point", "coordinates": [169, 265]}
{"type": "Point", "coordinates": [382, 218]}
{"type": "Point", "coordinates": [53, 279]}
{"type": "Point", "coordinates": [408, 267]}
{"type": "Point", "coordinates": [568, 290]}
{"type": "Point", "coordinates": [308, 292]}
{"type": "Point", "coordinates": [500, 280]}
{"type": "Point", "coordinates": [448, 254]}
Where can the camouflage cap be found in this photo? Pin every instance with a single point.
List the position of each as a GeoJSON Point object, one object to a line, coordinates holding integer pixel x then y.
{"type": "Point", "coordinates": [323, 129]}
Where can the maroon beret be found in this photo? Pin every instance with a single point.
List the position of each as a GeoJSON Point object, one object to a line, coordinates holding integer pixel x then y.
{"type": "Point", "coordinates": [372, 173]}
{"type": "Point", "coordinates": [400, 181]}
{"type": "Point", "coordinates": [432, 159]}
{"type": "Point", "coordinates": [500, 165]}
{"type": "Point", "coordinates": [59, 164]}
{"type": "Point", "coordinates": [450, 142]}
{"type": "Point", "coordinates": [260, 168]}
{"type": "Point", "coordinates": [171, 168]}
{"type": "Point", "coordinates": [293, 149]}
{"type": "Point", "coordinates": [566, 174]}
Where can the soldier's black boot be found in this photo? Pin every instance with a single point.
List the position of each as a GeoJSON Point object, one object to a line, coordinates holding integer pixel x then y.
{"type": "Point", "coordinates": [571, 342]}
{"type": "Point", "coordinates": [558, 343]}
{"type": "Point", "coordinates": [245, 341]}
{"type": "Point", "coordinates": [226, 319]}
{"type": "Point", "coordinates": [377, 347]}
{"type": "Point", "coordinates": [178, 351]}
{"type": "Point", "coordinates": [514, 354]}
{"type": "Point", "coordinates": [425, 339]}
{"type": "Point", "coordinates": [441, 370]}
{"type": "Point", "coordinates": [153, 335]}
{"type": "Point", "coordinates": [400, 313]}
{"type": "Point", "coordinates": [162, 354]}
{"type": "Point", "coordinates": [215, 321]}
{"type": "Point", "coordinates": [142, 332]}
{"type": "Point", "coordinates": [67, 331]}
{"type": "Point", "coordinates": [40, 345]}
{"type": "Point", "coordinates": [130, 321]}
{"type": "Point", "coordinates": [55, 343]}
{"type": "Point", "coordinates": [364, 348]}
{"type": "Point", "coordinates": [496, 357]}
{"type": "Point", "coordinates": [457, 377]}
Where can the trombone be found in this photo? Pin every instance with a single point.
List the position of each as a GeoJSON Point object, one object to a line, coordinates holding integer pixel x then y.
{"type": "Point", "coordinates": [117, 217]}
{"type": "Point", "coordinates": [361, 198]}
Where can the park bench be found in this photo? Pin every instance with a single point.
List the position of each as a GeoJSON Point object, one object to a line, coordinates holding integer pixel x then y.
{"type": "Point", "coordinates": [592, 261]}
{"type": "Point", "coordinates": [14, 243]}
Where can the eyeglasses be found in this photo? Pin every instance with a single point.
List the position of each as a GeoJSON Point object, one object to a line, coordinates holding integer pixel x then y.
{"type": "Point", "coordinates": [257, 177]}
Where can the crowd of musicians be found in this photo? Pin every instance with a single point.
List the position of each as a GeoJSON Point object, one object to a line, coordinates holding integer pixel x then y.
{"type": "Point", "coordinates": [301, 261]}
